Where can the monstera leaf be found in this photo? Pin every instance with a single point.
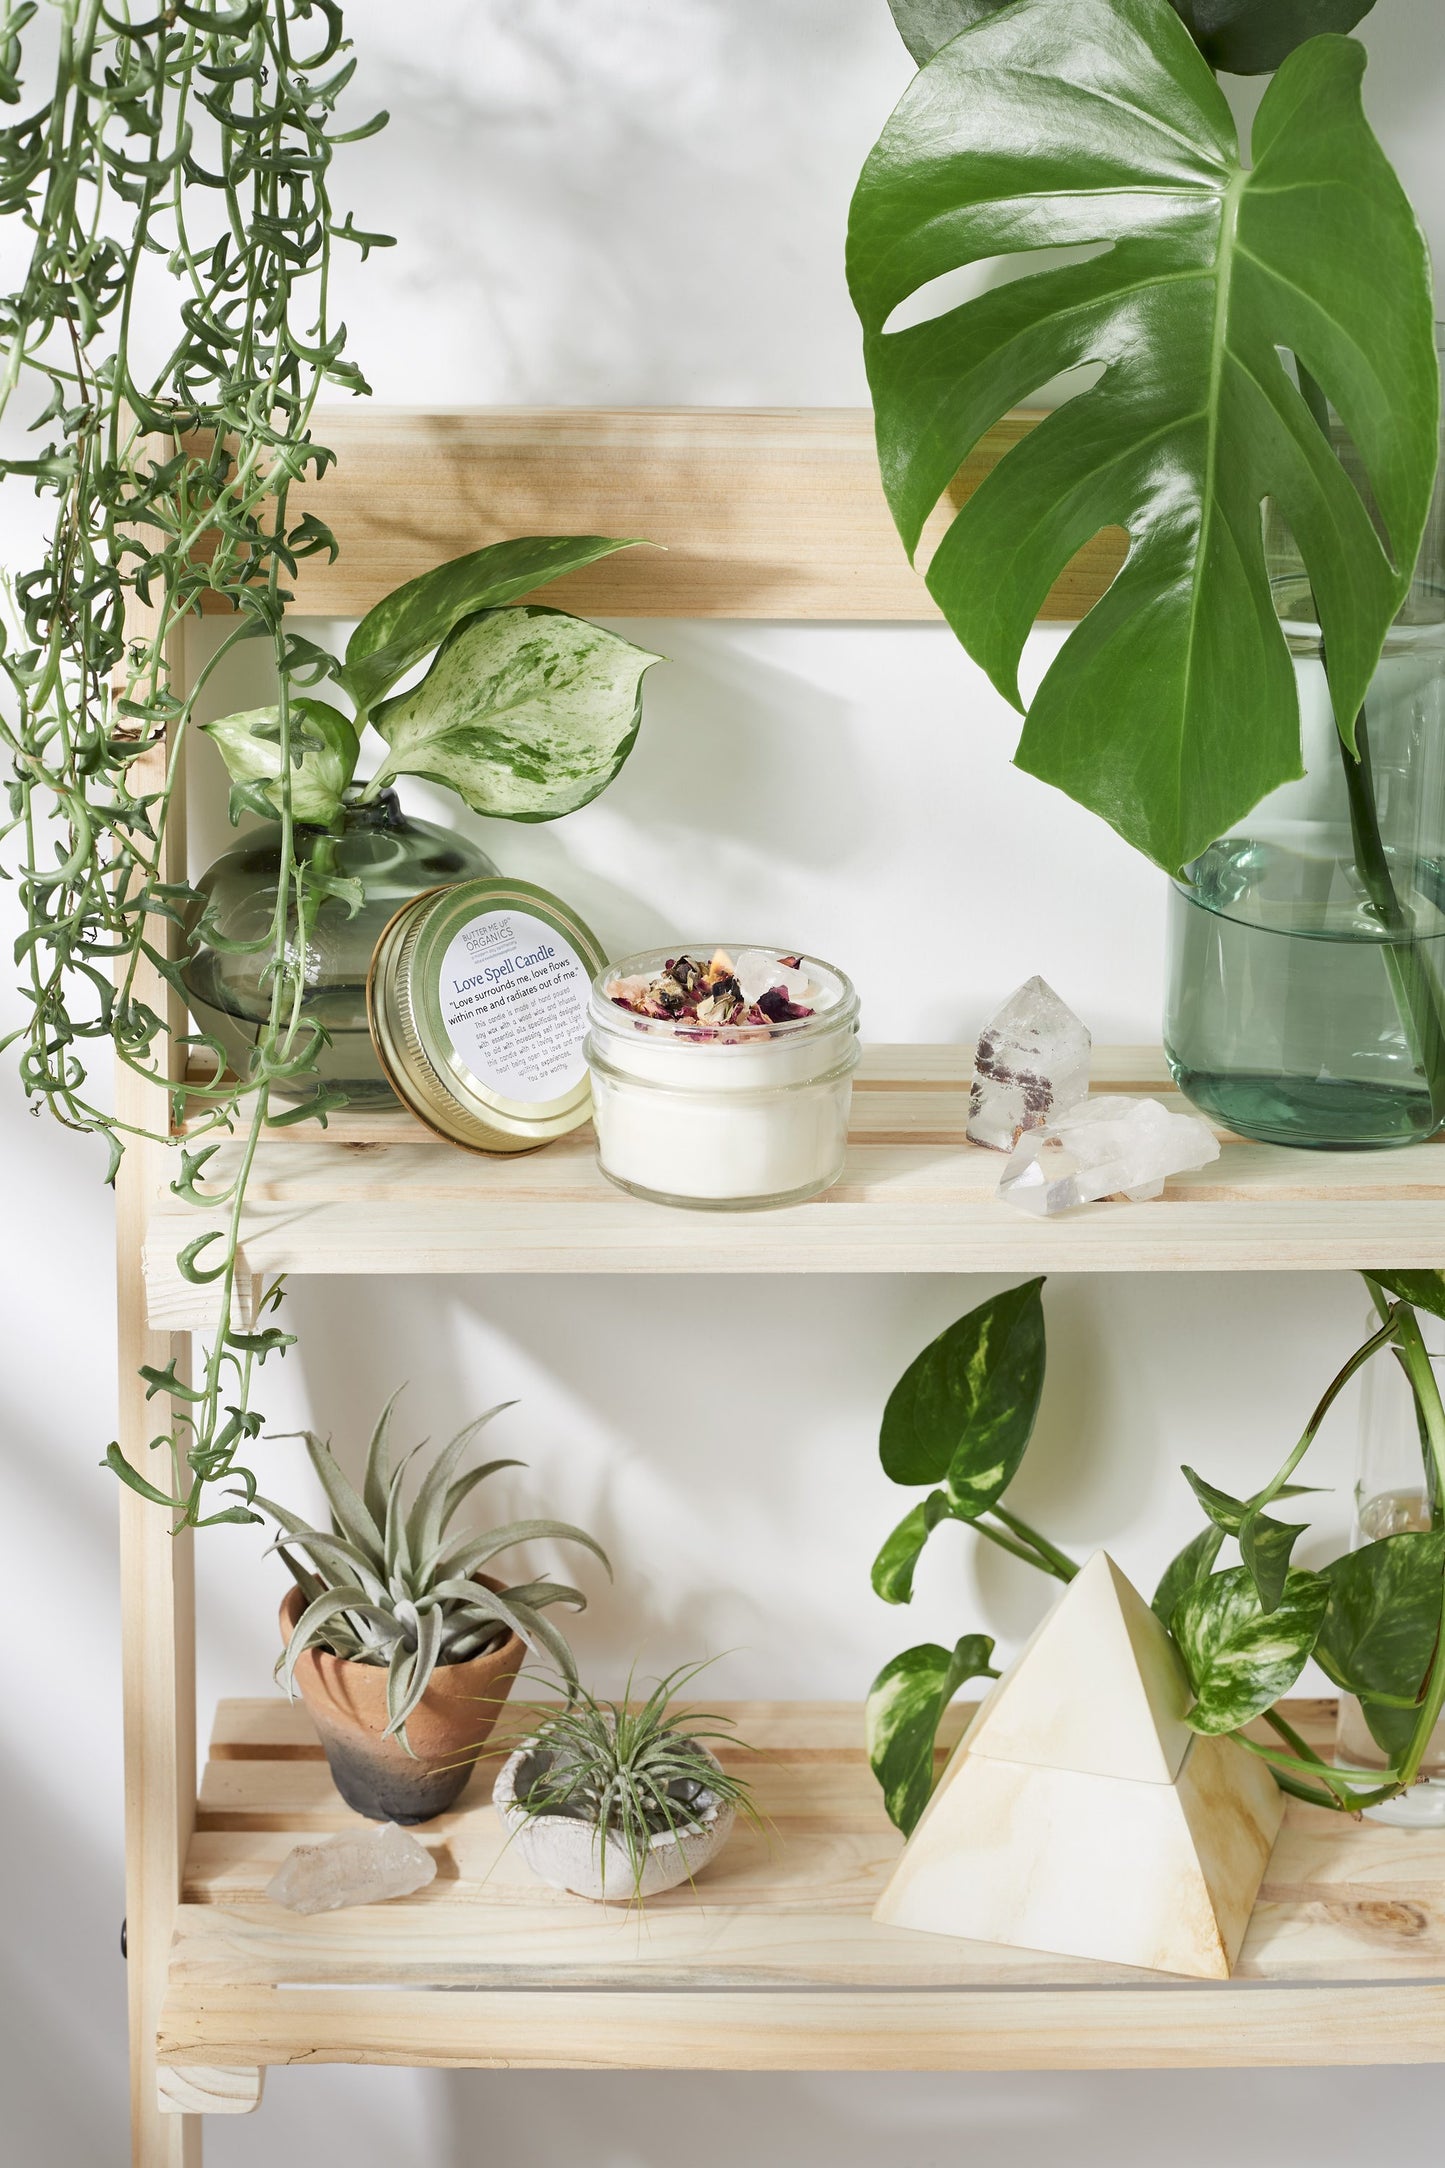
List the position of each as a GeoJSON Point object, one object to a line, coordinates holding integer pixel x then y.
{"type": "Point", "coordinates": [525, 713]}
{"type": "Point", "coordinates": [1245, 37]}
{"type": "Point", "coordinates": [323, 755]}
{"type": "Point", "coordinates": [1171, 709]}
{"type": "Point", "coordinates": [1251, 37]}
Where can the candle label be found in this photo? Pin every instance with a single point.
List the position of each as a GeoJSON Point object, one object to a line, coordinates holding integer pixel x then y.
{"type": "Point", "coordinates": [513, 999]}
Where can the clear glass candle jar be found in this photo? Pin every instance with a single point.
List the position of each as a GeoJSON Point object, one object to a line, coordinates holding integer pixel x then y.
{"type": "Point", "coordinates": [728, 1117]}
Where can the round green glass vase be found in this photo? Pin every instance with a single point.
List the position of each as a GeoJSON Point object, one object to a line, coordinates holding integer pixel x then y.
{"type": "Point", "coordinates": [1306, 977]}
{"type": "Point", "coordinates": [394, 857]}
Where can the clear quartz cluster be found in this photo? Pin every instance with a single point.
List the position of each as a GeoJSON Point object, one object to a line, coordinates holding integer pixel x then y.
{"type": "Point", "coordinates": [1106, 1147]}
{"type": "Point", "coordinates": [360, 1867]}
{"type": "Point", "coordinates": [1032, 1062]}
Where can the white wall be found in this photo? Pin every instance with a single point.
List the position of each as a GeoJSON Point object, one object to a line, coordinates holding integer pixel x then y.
{"type": "Point", "coordinates": [629, 202]}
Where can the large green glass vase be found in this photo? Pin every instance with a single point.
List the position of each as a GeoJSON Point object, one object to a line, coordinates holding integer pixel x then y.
{"type": "Point", "coordinates": [393, 857]}
{"type": "Point", "coordinates": [1306, 986]}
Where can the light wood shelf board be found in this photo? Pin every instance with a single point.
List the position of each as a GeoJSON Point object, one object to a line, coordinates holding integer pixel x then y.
{"type": "Point", "coordinates": [759, 512]}
{"type": "Point", "coordinates": [773, 1961]}
{"type": "Point", "coordinates": [915, 1196]}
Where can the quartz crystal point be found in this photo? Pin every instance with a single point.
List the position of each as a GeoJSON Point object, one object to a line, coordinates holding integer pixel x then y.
{"type": "Point", "coordinates": [1032, 1063]}
{"type": "Point", "coordinates": [360, 1867]}
{"type": "Point", "coordinates": [1105, 1148]}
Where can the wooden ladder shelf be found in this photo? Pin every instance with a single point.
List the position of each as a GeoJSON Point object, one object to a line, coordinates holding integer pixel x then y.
{"type": "Point", "coordinates": [774, 1963]}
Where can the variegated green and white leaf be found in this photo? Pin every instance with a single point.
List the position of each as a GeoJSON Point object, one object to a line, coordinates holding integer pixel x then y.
{"type": "Point", "coordinates": [323, 755]}
{"type": "Point", "coordinates": [905, 1707]}
{"type": "Point", "coordinates": [525, 713]}
{"type": "Point", "coordinates": [1240, 1658]}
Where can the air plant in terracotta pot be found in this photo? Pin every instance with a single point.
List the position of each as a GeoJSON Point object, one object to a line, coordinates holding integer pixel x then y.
{"type": "Point", "coordinates": [619, 1802]}
{"type": "Point", "coordinates": [401, 1647]}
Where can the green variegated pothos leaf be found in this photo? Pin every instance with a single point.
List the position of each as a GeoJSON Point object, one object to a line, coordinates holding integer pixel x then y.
{"type": "Point", "coordinates": [1192, 1564]}
{"type": "Point", "coordinates": [963, 1411]}
{"type": "Point", "coordinates": [525, 713]}
{"type": "Point", "coordinates": [323, 756]}
{"type": "Point", "coordinates": [894, 1566]}
{"type": "Point", "coordinates": [407, 624]}
{"type": "Point", "coordinates": [1422, 1290]}
{"type": "Point", "coordinates": [1239, 1658]}
{"type": "Point", "coordinates": [1265, 1545]}
{"type": "Point", "coordinates": [1382, 1621]}
{"type": "Point", "coordinates": [905, 1707]}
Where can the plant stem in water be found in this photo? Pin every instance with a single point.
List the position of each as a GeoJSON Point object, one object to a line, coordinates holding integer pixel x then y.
{"type": "Point", "coordinates": [1416, 996]}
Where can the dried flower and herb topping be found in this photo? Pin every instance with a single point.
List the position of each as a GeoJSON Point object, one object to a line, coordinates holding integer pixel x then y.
{"type": "Point", "coordinates": [756, 992]}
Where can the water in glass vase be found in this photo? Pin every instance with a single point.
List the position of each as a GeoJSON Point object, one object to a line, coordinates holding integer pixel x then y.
{"type": "Point", "coordinates": [1293, 1015]}
{"type": "Point", "coordinates": [1307, 950]}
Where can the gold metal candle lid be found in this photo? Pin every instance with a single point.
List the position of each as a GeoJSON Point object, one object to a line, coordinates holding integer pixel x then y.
{"type": "Point", "coordinates": [477, 1000]}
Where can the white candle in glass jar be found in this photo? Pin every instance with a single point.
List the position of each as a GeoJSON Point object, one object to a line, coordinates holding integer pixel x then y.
{"type": "Point", "coordinates": [731, 1114]}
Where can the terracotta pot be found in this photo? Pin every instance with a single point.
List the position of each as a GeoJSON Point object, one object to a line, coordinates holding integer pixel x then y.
{"type": "Point", "coordinates": [447, 1730]}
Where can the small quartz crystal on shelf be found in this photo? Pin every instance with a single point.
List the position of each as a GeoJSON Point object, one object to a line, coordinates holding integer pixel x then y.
{"type": "Point", "coordinates": [360, 1867]}
{"type": "Point", "coordinates": [1107, 1147]}
{"type": "Point", "coordinates": [1032, 1062]}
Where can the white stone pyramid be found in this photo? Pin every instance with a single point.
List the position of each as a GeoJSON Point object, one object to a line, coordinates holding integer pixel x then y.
{"type": "Point", "coordinates": [1080, 1815]}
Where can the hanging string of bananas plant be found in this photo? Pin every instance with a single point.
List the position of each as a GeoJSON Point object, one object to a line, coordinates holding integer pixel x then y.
{"type": "Point", "coordinates": [174, 320]}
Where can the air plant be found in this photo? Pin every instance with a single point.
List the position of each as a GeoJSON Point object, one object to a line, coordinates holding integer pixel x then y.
{"type": "Point", "coordinates": [388, 1585]}
{"type": "Point", "coordinates": [633, 1773]}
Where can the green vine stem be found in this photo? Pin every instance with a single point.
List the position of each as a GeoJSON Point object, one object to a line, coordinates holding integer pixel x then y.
{"type": "Point", "coordinates": [1416, 994]}
{"type": "Point", "coordinates": [176, 175]}
{"type": "Point", "coordinates": [1334, 1786]}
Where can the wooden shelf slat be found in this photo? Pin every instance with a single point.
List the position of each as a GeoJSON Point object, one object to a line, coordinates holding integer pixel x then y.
{"type": "Point", "coordinates": [378, 1195]}
{"type": "Point", "coordinates": [759, 512]}
{"type": "Point", "coordinates": [773, 1961]}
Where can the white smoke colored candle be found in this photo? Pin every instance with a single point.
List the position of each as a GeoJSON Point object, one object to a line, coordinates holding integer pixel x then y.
{"type": "Point", "coordinates": [722, 1078]}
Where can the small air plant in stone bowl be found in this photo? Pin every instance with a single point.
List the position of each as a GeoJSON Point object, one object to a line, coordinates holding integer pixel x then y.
{"type": "Point", "coordinates": [401, 1647]}
{"type": "Point", "coordinates": [619, 1802]}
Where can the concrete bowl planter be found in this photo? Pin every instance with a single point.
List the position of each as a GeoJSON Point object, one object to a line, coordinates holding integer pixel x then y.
{"type": "Point", "coordinates": [447, 1730]}
{"type": "Point", "coordinates": [565, 1851]}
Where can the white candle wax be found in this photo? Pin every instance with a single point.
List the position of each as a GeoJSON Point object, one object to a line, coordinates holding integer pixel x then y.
{"type": "Point", "coordinates": [741, 1115]}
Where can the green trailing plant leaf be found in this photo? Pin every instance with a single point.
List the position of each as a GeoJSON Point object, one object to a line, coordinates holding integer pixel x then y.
{"type": "Point", "coordinates": [407, 624]}
{"type": "Point", "coordinates": [323, 756]}
{"type": "Point", "coordinates": [1265, 1545]}
{"type": "Point", "coordinates": [1382, 1622]}
{"type": "Point", "coordinates": [1239, 1658]}
{"type": "Point", "coordinates": [1244, 37]}
{"type": "Point", "coordinates": [1422, 1290]}
{"type": "Point", "coordinates": [894, 1566]}
{"type": "Point", "coordinates": [963, 1411]}
{"type": "Point", "coordinates": [1171, 709]}
{"type": "Point", "coordinates": [905, 1707]}
{"type": "Point", "coordinates": [526, 714]}
{"type": "Point", "coordinates": [1225, 1512]}
{"type": "Point", "coordinates": [1194, 1563]}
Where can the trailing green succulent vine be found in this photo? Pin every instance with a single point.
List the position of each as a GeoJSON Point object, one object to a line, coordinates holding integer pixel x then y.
{"type": "Point", "coordinates": [174, 187]}
{"type": "Point", "coordinates": [960, 1419]}
{"type": "Point", "coordinates": [167, 341]}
